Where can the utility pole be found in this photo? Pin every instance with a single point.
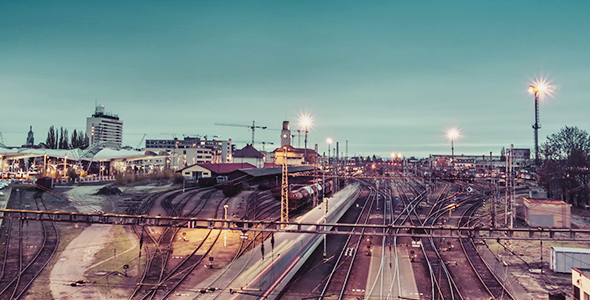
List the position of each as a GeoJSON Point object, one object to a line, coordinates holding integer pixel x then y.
{"type": "Point", "coordinates": [493, 192]}
{"type": "Point", "coordinates": [284, 190]}
{"type": "Point", "coordinates": [509, 192]}
{"type": "Point", "coordinates": [336, 153]}
{"type": "Point", "coordinates": [315, 176]}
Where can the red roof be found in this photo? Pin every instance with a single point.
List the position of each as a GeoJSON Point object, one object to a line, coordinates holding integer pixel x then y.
{"type": "Point", "coordinates": [226, 168]}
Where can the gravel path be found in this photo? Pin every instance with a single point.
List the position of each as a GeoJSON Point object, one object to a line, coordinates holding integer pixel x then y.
{"type": "Point", "coordinates": [74, 261]}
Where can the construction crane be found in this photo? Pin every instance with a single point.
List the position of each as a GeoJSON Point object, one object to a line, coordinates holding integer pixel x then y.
{"type": "Point", "coordinates": [253, 127]}
{"type": "Point", "coordinates": [140, 142]}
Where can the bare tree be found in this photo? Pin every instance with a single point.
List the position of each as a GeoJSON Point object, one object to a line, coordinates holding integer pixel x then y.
{"type": "Point", "coordinates": [565, 172]}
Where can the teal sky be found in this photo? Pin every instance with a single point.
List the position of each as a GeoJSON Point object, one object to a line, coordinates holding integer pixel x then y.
{"type": "Point", "coordinates": [388, 76]}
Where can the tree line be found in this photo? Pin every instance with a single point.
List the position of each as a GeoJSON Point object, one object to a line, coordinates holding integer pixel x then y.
{"type": "Point", "coordinates": [565, 172]}
{"type": "Point", "coordinates": [60, 139]}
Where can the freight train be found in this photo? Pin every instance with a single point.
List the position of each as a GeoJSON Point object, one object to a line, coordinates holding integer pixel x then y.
{"type": "Point", "coordinates": [301, 195]}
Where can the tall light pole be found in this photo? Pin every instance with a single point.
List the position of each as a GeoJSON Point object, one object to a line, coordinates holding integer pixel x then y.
{"type": "Point", "coordinates": [535, 89]}
{"type": "Point", "coordinates": [329, 141]}
{"type": "Point", "coordinates": [305, 123]}
{"type": "Point", "coordinates": [452, 134]}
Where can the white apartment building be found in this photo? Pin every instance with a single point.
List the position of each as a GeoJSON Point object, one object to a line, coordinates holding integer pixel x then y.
{"type": "Point", "coordinates": [104, 127]}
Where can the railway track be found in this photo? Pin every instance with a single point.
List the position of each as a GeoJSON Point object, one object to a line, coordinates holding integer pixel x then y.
{"type": "Point", "coordinates": [338, 280]}
{"type": "Point", "coordinates": [491, 284]}
{"type": "Point", "coordinates": [161, 277]}
{"type": "Point", "coordinates": [28, 249]}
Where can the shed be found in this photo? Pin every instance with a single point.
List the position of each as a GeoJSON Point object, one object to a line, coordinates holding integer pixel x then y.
{"type": "Point", "coordinates": [563, 259]}
{"type": "Point", "coordinates": [547, 213]}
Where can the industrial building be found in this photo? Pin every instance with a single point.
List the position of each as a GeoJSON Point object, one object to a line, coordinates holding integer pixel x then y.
{"type": "Point", "coordinates": [546, 213]}
{"type": "Point", "coordinates": [104, 128]}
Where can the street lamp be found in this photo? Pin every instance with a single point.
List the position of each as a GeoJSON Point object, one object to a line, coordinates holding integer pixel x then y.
{"type": "Point", "coordinates": [305, 123]}
{"type": "Point", "coordinates": [329, 141]}
{"type": "Point", "coordinates": [452, 134]}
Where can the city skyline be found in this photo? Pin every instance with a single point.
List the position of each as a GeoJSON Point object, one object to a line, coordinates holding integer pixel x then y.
{"type": "Point", "coordinates": [387, 77]}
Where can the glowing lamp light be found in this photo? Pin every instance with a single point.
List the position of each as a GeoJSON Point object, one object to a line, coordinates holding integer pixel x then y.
{"type": "Point", "coordinates": [305, 121]}
{"type": "Point", "coordinates": [329, 141]}
{"type": "Point", "coordinates": [541, 87]}
{"type": "Point", "coordinates": [453, 133]}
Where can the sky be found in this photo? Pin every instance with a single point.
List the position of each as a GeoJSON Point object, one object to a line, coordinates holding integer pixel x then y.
{"type": "Point", "coordinates": [386, 76]}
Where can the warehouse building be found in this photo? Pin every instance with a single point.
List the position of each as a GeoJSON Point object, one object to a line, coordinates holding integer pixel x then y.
{"type": "Point", "coordinates": [547, 213]}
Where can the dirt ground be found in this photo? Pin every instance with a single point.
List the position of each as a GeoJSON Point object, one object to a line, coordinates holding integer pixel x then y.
{"type": "Point", "coordinates": [80, 254]}
{"type": "Point", "coordinates": [525, 266]}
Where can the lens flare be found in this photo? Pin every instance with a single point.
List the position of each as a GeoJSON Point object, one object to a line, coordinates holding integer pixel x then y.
{"type": "Point", "coordinates": [543, 87]}
{"type": "Point", "coordinates": [453, 133]}
{"type": "Point", "coordinates": [305, 121]}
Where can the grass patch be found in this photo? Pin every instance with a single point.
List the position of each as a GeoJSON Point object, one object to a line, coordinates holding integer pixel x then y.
{"type": "Point", "coordinates": [109, 269]}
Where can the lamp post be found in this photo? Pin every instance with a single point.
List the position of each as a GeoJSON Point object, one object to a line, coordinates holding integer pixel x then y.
{"type": "Point", "coordinates": [452, 134]}
{"type": "Point", "coordinates": [225, 230]}
{"type": "Point", "coordinates": [305, 122]}
{"type": "Point", "coordinates": [536, 89]}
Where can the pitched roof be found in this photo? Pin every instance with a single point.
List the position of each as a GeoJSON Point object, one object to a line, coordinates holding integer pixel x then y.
{"type": "Point", "coordinates": [276, 171]}
{"type": "Point", "coordinates": [226, 167]}
{"type": "Point", "coordinates": [248, 151]}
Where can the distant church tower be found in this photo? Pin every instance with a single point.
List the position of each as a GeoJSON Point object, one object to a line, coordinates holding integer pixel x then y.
{"type": "Point", "coordinates": [30, 137]}
{"type": "Point", "coordinates": [285, 134]}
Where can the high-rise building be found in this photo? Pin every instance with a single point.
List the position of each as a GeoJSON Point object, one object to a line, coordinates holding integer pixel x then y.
{"type": "Point", "coordinates": [104, 127]}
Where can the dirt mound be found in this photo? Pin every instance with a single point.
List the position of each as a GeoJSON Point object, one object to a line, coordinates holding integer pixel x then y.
{"type": "Point", "coordinates": [109, 190]}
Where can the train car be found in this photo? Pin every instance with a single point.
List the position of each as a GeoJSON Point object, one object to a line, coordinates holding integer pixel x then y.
{"type": "Point", "coordinates": [44, 183]}
{"type": "Point", "coordinates": [231, 189]}
{"type": "Point", "coordinates": [301, 195]}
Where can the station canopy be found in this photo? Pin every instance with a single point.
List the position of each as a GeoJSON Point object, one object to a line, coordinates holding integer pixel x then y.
{"type": "Point", "coordinates": [105, 154]}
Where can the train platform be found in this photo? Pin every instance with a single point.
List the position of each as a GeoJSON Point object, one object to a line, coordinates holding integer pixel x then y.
{"type": "Point", "coordinates": [391, 267]}
{"type": "Point", "coordinates": [260, 273]}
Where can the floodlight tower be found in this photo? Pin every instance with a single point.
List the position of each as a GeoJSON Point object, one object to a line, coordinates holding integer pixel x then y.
{"type": "Point", "coordinates": [536, 89]}
{"type": "Point", "coordinates": [305, 123]}
{"type": "Point", "coordinates": [452, 134]}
